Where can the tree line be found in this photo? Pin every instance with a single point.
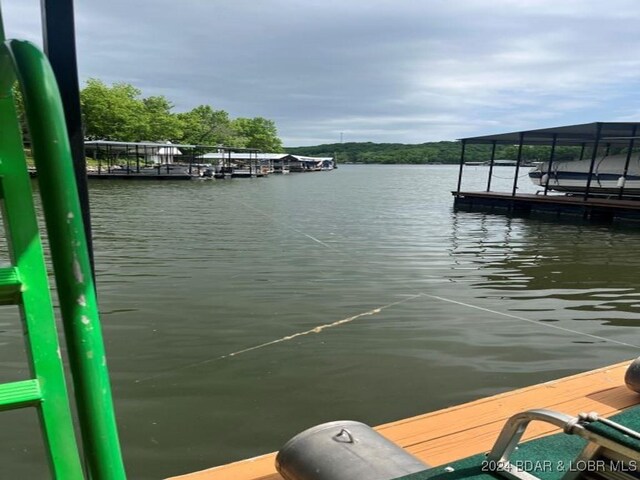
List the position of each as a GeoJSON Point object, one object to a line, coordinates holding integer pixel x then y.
{"type": "Point", "coordinates": [118, 112]}
{"type": "Point", "coordinates": [431, 152]}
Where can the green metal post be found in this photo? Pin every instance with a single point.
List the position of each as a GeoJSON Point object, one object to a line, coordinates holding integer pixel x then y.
{"type": "Point", "coordinates": [71, 263]}
{"type": "Point", "coordinates": [47, 391]}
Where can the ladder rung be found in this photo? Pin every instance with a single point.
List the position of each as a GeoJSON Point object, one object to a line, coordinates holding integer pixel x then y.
{"type": "Point", "coordinates": [19, 394]}
{"type": "Point", "coordinates": [10, 286]}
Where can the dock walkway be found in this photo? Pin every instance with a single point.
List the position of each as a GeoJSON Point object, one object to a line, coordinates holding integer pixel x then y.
{"type": "Point", "coordinates": [457, 432]}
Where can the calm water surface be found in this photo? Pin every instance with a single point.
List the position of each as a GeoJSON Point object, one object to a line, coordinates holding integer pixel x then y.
{"type": "Point", "coordinates": [238, 313]}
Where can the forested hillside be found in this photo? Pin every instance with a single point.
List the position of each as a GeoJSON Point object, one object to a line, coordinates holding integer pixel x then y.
{"type": "Point", "coordinates": [432, 152]}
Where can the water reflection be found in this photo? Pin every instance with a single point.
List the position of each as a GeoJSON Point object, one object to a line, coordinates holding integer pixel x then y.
{"type": "Point", "coordinates": [589, 270]}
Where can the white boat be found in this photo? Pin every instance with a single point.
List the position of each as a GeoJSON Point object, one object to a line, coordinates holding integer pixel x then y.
{"type": "Point", "coordinates": [243, 173]}
{"type": "Point", "coordinates": [607, 178]}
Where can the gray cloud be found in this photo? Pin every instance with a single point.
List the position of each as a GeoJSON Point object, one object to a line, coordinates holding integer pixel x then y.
{"type": "Point", "coordinates": [377, 70]}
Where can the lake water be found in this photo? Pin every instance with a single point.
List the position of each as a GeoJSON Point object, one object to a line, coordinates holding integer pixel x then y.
{"type": "Point", "coordinates": [238, 313]}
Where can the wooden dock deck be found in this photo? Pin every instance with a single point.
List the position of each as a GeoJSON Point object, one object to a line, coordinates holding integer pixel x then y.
{"type": "Point", "coordinates": [457, 432]}
{"type": "Point", "coordinates": [593, 209]}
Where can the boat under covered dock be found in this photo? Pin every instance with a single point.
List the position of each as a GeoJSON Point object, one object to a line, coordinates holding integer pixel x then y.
{"type": "Point", "coordinates": [594, 144]}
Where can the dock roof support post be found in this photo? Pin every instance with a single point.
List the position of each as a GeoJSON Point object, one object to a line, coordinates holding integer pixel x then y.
{"type": "Point", "coordinates": [515, 177]}
{"type": "Point", "coordinates": [634, 130]}
{"type": "Point", "coordinates": [464, 144]}
{"type": "Point", "coordinates": [551, 155]}
{"type": "Point", "coordinates": [594, 154]}
{"type": "Point", "coordinates": [491, 162]}
{"type": "Point", "coordinates": [127, 153]}
{"type": "Point", "coordinates": [584, 145]}
{"type": "Point", "coordinates": [99, 159]}
{"type": "Point", "coordinates": [59, 41]}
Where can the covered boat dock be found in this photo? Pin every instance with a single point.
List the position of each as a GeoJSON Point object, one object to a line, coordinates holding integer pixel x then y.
{"type": "Point", "coordinates": [593, 142]}
{"type": "Point", "coordinates": [157, 161]}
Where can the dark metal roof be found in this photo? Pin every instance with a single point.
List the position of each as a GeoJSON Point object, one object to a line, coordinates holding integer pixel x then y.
{"type": "Point", "coordinates": [613, 133]}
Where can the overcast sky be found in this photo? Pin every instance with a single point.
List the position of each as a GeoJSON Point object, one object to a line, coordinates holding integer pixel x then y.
{"type": "Point", "coordinates": [407, 71]}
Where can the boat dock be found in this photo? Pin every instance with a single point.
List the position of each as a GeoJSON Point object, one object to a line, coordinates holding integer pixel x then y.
{"type": "Point", "coordinates": [598, 189]}
{"type": "Point", "coordinates": [112, 160]}
{"type": "Point", "coordinates": [593, 209]}
{"type": "Point", "coordinates": [133, 176]}
{"type": "Point", "coordinates": [443, 436]}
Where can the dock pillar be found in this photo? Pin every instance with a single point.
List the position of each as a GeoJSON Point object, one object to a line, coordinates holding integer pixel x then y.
{"type": "Point", "coordinates": [59, 41]}
{"type": "Point", "coordinates": [628, 160]}
{"type": "Point", "coordinates": [551, 155]}
{"type": "Point", "coordinates": [491, 162]}
{"type": "Point", "coordinates": [594, 154]}
{"type": "Point", "coordinates": [461, 166]}
{"type": "Point", "coordinates": [515, 178]}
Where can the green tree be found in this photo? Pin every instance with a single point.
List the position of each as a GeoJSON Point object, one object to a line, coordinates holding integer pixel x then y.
{"type": "Point", "coordinates": [113, 113]}
{"type": "Point", "coordinates": [161, 124]}
{"type": "Point", "coordinates": [205, 126]}
{"type": "Point", "coordinates": [118, 112]}
{"type": "Point", "coordinates": [258, 133]}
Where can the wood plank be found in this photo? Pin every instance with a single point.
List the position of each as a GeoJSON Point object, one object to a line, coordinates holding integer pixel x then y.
{"type": "Point", "coordinates": [463, 430]}
{"type": "Point", "coordinates": [258, 468]}
{"type": "Point", "coordinates": [486, 410]}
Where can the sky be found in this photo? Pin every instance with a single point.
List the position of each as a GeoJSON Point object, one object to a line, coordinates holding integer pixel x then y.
{"type": "Point", "coordinates": [400, 71]}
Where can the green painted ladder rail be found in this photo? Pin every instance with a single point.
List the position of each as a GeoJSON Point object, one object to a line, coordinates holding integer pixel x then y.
{"type": "Point", "coordinates": [25, 282]}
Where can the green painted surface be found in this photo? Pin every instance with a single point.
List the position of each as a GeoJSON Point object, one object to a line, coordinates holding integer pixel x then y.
{"type": "Point", "coordinates": [24, 62]}
{"type": "Point", "coordinates": [548, 458]}
{"type": "Point", "coordinates": [73, 274]}
{"type": "Point", "coordinates": [15, 394]}
{"type": "Point", "coordinates": [10, 286]}
{"type": "Point", "coordinates": [33, 297]}
{"type": "Point", "coordinates": [70, 259]}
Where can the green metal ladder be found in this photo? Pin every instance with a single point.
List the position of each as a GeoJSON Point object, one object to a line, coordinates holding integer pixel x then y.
{"type": "Point", "coordinates": [25, 282]}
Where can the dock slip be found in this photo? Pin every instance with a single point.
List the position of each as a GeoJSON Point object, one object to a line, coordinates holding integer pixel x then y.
{"type": "Point", "coordinates": [165, 161]}
{"type": "Point", "coordinates": [600, 183]}
{"type": "Point", "coordinates": [109, 160]}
